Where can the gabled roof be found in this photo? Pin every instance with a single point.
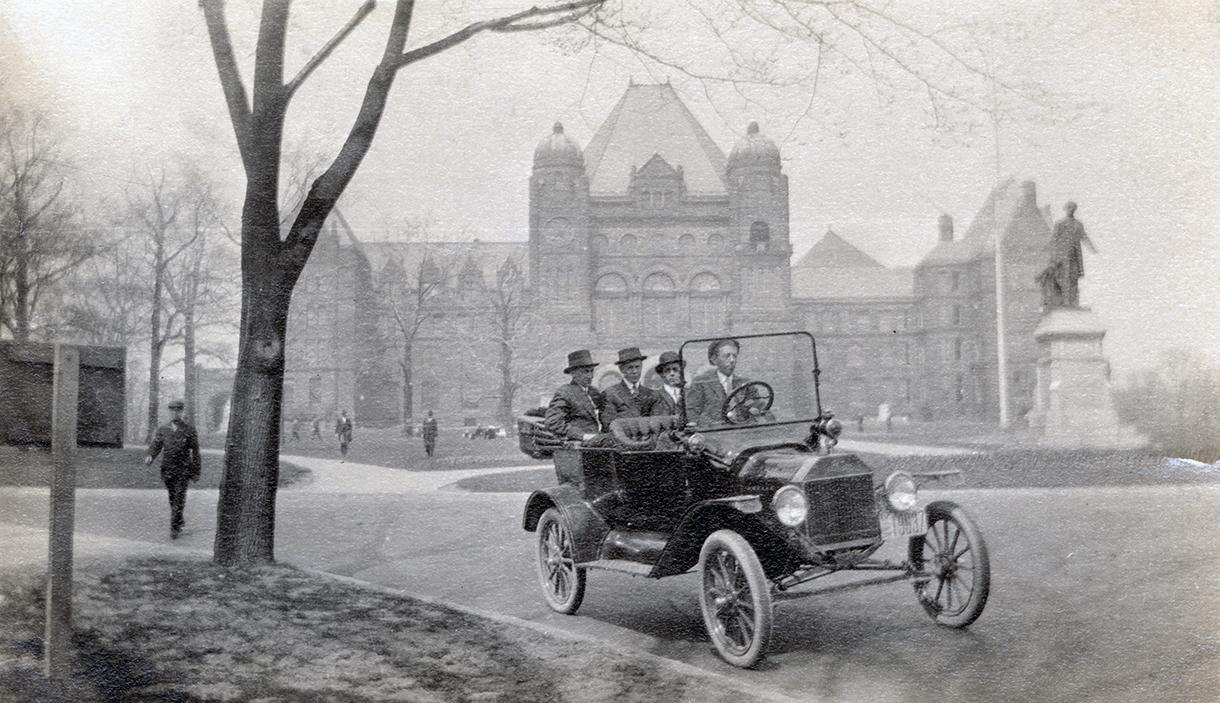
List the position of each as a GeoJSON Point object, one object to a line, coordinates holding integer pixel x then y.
{"type": "Point", "coordinates": [452, 256]}
{"type": "Point", "coordinates": [648, 120]}
{"type": "Point", "coordinates": [832, 251]}
{"type": "Point", "coordinates": [862, 283]}
{"type": "Point", "coordinates": [979, 239]}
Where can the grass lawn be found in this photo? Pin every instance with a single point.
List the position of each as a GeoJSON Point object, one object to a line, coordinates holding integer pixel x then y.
{"type": "Point", "coordinates": [113, 468]}
{"type": "Point", "coordinates": [387, 447]}
{"type": "Point", "coordinates": [1002, 469]}
{"type": "Point", "coordinates": [158, 630]}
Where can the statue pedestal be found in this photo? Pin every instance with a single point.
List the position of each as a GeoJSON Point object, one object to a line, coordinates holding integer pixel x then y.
{"type": "Point", "coordinates": [1072, 404]}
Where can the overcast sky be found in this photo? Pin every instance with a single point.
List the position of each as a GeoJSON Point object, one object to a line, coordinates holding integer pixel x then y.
{"type": "Point", "coordinates": [1139, 150]}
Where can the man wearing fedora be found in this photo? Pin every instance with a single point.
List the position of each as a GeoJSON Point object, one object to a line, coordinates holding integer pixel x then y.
{"type": "Point", "coordinates": [629, 397]}
{"type": "Point", "coordinates": [575, 412]}
{"type": "Point", "coordinates": [180, 462]}
{"type": "Point", "coordinates": [669, 397]}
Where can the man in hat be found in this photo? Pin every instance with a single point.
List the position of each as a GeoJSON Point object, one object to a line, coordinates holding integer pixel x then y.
{"type": "Point", "coordinates": [343, 430]}
{"type": "Point", "coordinates": [709, 390]}
{"type": "Point", "coordinates": [628, 397]}
{"type": "Point", "coordinates": [575, 410]}
{"type": "Point", "coordinates": [180, 463]}
{"type": "Point", "coordinates": [429, 431]}
{"type": "Point", "coordinates": [669, 397]}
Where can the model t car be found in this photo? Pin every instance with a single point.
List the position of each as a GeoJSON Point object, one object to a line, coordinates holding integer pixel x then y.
{"type": "Point", "coordinates": [751, 493]}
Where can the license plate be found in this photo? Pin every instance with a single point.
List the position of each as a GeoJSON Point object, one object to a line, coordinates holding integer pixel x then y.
{"type": "Point", "coordinates": [894, 524]}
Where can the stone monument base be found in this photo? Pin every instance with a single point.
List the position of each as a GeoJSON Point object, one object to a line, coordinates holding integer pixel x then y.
{"type": "Point", "coordinates": [1073, 408]}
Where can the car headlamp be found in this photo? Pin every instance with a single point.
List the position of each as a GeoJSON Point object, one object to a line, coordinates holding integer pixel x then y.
{"type": "Point", "coordinates": [790, 506]}
{"type": "Point", "coordinates": [900, 491]}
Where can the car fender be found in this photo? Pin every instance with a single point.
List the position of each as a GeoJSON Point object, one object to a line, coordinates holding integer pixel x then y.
{"type": "Point", "coordinates": [741, 514]}
{"type": "Point", "coordinates": [588, 528]}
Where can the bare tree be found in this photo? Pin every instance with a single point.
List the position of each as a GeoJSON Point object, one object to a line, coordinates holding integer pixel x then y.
{"type": "Point", "coordinates": [409, 297]}
{"type": "Point", "coordinates": [156, 212]}
{"type": "Point", "coordinates": [105, 300]}
{"type": "Point", "coordinates": [40, 240]}
{"type": "Point", "coordinates": [201, 294]}
{"type": "Point", "coordinates": [866, 39]}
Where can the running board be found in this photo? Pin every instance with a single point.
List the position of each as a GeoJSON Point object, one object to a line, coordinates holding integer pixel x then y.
{"type": "Point", "coordinates": [792, 595]}
{"type": "Point", "coordinates": [623, 566]}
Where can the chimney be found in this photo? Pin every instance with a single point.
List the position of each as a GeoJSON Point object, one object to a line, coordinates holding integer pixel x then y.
{"type": "Point", "coordinates": [946, 228]}
{"type": "Point", "coordinates": [1031, 194]}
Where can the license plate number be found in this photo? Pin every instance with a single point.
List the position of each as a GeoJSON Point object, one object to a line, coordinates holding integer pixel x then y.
{"type": "Point", "coordinates": [894, 524]}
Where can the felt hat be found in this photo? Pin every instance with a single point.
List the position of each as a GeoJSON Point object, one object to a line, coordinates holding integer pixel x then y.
{"type": "Point", "coordinates": [176, 405]}
{"type": "Point", "coordinates": [628, 355]}
{"type": "Point", "coordinates": [579, 359]}
{"type": "Point", "coordinates": [668, 358]}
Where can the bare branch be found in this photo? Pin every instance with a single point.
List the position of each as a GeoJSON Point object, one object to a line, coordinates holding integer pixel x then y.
{"type": "Point", "coordinates": [326, 49]}
{"type": "Point", "coordinates": [569, 12]}
{"type": "Point", "coordinates": [230, 77]}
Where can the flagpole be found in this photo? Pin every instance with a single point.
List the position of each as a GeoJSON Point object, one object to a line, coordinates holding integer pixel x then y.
{"type": "Point", "coordinates": [998, 236]}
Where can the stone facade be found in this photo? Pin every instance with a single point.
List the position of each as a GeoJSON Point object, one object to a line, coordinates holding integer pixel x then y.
{"type": "Point", "coordinates": [648, 236]}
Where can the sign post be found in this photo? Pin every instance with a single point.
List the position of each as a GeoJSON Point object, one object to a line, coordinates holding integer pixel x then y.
{"type": "Point", "coordinates": [58, 652]}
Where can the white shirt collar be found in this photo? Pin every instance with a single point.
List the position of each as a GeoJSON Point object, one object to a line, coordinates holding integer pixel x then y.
{"type": "Point", "coordinates": [724, 380]}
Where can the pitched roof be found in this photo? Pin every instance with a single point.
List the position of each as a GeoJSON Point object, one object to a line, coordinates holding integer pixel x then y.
{"type": "Point", "coordinates": [832, 251]}
{"type": "Point", "coordinates": [649, 120]}
{"type": "Point", "coordinates": [454, 256]}
{"type": "Point", "coordinates": [860, 283]}
{"type": "Point", "coordinates": [979, 239]}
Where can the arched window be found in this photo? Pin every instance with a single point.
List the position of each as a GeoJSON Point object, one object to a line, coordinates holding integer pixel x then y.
{"type": "Point", "coordinates": [600, 243]}
{"type": "Point", "coordinates": [658, 304]}
{"type": "Point", "coordinates": [715, 242]}
{"type": "Point", "coordinates": [686, 241]}
{"type": "Point", "coordinates": [760, 236]}
{"type": "Point", "coordinates": [612, 305]}
{"type": "Point", "coordinates": [628, 242]}
{"type": "Point", "coordinates": [707, 306]}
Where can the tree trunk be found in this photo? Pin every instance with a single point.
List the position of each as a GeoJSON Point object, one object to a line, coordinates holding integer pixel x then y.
{"type": "Point", "coordinates": [188, 362]}
{"type": "Point", "coordinates": [21, 282]}
{"type": "Point", "coordinates": [155, 344]}
{"type": "Point", "coordinates": [245, 519]}
{"type": "Point", "coordinates": [507, 387]}
{"type": "Point", "coordinates": [408, 399]}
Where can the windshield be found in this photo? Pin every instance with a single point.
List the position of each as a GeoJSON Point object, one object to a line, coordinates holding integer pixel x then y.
{"type": "Point", "coordinates": [749, 380]}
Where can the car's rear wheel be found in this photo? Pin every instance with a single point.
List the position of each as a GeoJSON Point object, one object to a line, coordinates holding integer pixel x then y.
{"type": "Point", "coordinates": [563, 582]}
{"type": "Point", "coordinates": [735, 598]}
{"type": "Point", "coordinates": [953, 551]}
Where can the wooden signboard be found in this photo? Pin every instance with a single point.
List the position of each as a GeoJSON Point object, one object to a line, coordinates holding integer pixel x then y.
{"type": "Point", "coordinates": [26, 380]}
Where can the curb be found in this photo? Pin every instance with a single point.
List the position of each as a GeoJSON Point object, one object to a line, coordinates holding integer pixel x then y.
{"type": "Point", "coordinates": [681, 668]}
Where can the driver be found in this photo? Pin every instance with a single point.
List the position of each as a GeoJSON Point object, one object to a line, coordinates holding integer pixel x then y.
{"type": "Point", "coordinates": [708, 391]}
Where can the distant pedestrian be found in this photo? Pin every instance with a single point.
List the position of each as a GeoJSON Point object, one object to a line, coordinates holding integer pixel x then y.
{"type": "Point", "coordinates": [889, 423]}
{"type": "Point", "coordinates": [180, 463]}
{"type": "Point", "coordinates": [860, 422]}
{"type": "Point", "coordinates": [429, 432]}
{"type": "Point", "coordinates": [296, 430]}
{"type": "Point", "coordinates": [343, 430]}
{"type": "Point", "coordinates": [317, 428]}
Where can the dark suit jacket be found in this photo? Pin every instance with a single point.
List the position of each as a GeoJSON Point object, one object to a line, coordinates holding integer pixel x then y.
{"type": "Point", "coordinates": [572, 413]}
{"type": "Point", "coordinates": [181, 446]}
{"type": "Point", "coordinates": [619, 402]}
{"type": "Point", "coordinates": [705, 398]}
{"type": "Point", "coordinates": [664, 405]}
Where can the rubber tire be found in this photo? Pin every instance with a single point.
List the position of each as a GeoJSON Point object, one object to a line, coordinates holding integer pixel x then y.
{"type": "Point", "coordinates": [760, 596]}
{"type": "Point", "coordinates": [568, 603]}
{"type": "Point", "coordinates": [980, 581]}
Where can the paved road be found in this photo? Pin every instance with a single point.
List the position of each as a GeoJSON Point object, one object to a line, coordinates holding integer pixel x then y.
{"type": "Point", "coordinates": [1098, 595]}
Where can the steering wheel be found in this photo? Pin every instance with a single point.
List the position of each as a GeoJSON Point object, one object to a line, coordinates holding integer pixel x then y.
{"type": "Point", "coordinates": [747, 402]}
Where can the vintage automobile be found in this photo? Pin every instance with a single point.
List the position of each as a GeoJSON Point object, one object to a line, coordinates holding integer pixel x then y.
{"type": "Point", "coordinates": [759, 503]}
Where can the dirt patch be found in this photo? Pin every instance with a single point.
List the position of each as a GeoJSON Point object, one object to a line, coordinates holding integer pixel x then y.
{"type": "Point", "coordinates": [158, 630]}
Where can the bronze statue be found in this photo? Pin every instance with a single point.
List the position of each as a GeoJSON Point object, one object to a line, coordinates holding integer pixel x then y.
{"type": "Point", "coordinates": [1060, 280]}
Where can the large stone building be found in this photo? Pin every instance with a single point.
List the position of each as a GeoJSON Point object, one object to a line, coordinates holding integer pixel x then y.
{"type": "Point", "coordinates": [648, 236]}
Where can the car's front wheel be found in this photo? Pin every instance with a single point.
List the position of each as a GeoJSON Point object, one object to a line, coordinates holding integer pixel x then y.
{"type": "Point", "coordinates": [735, 598]}
{"type": "Point", "coordinates": [953, 552]}
{"type": "Point", "coordinates": [563, 583]}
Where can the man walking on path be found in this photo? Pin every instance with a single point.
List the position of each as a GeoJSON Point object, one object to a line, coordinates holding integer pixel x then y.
{"type": "Point", "coordinates": [429, 432]}
{"type": "Point", "coordinates": [343, 430]}
{"type": "Point", "coordinates": [180, 463]}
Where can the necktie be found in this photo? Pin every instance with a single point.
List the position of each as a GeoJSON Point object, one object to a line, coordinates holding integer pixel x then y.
{"type": "Point", "coordinates": [728, 385]}
{"type": "Point", "coordinates": [634, 388]}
